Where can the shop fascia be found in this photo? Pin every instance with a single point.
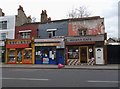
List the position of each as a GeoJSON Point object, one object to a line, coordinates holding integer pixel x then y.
{"type": "Point", "coordinates": [58, 42]}
{"type": "Point", "coordinates": [85, 38]}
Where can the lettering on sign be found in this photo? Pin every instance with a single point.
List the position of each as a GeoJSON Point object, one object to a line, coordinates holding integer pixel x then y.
{"type": "Point", "coordinates": [80, 39]}
{"type": "Point", "coordinates": [87, 38]}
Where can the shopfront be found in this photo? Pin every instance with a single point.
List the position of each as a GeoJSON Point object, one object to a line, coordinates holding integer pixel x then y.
{"type": "Point", "coordinates": [49, 51]}
{"type": "Point", "coordinates": [85, 50]}
{"type": "Point", "coordinates": [2, 51]}
{"type": "Point", "coordinates": [19, 51]}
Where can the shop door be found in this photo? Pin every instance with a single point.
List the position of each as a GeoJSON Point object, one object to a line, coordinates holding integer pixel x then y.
{"type": "Point", "coordinates": [19, 56]}
{"type": "Point", "coordinates": [83, 54]}
{"type": "Point", "coordinates": [99, 56]}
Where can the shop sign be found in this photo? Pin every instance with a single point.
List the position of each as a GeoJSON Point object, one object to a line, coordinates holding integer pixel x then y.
{"type": "Point", "coordinates": [49, 40]}
{"type": "Point", "coordinates": [85, 39]}
{"type": "Point", "coordinates": [62, 45]}
{"type": "Point", "coordinates": [48, 44]}
{"type": "Point", "coordinates": [45, 60]}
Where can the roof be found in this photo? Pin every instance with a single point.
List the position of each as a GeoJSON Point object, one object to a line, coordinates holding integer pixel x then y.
{"type": "Point", "coordinates": [69, 19]}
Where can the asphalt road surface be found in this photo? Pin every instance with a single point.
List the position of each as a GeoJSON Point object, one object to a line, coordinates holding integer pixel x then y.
{"type": "Point", "coordinates": [13, 77]}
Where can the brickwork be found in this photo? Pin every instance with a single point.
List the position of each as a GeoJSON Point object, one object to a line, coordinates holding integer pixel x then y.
{"type": "Point", "coordinates": [29, 26]}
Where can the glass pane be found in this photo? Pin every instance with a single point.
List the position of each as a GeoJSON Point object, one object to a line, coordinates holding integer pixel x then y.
{"type": "Point", "coordinates": [27, 54]}
{"type": "Point", "coordinates": [73, 52]}
{"type": "Point", "coordinates": [11, 55]}
{"type": "Point", "coordinates": [19, 56]}
{"type": "Point", "coordinates": [49, 34]}
{"type": "Point", "coordinates": [4, 24]}
{"type": "Point", "coordinates": [53, 33]}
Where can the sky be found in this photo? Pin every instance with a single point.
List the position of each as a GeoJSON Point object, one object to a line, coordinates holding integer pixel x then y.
{"type": "Point", "coordinates": [59, 9]}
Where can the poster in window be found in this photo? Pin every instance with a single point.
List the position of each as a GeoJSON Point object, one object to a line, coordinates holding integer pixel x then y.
{"type": "Point", "coordinates": [53, 57]}
{"type": "Point", "coordinates": [50, 54]}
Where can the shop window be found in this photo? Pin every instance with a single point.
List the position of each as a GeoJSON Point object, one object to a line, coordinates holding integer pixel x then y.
{"type": "Point", "coordinates": [38, 54]}
{"type": "Point", "coordinates": [11, 55]}
{"type": "Point", "coordinates": [45, 52]}
{"type": "Point", "coordinates": [27, 54]}
{"type": "Point", "coordinates": [19, 56]}
{"type": "Point", "coordinates": [52, 53]}
{"type": "Point", "coordinates": [73, 52]}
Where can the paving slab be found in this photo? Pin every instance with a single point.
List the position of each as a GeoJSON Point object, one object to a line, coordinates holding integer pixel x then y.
{"type": "Point", "coordinates": [42, 66]}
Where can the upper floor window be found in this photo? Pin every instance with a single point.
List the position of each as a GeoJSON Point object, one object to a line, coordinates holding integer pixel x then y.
{"type": "Point", "coordinates": [3, 24]}
{"type": "Point", "coordinates": [51, 33]}
{"type": "Point", "coordinates": [25, 34]}
{"type": "Point", "coordinates": [82, 32]}
{"type": "Point", "coordinates": [3, 36]}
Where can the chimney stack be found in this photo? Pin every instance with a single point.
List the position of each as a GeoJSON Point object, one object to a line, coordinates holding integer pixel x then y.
{"type": "Point", "coordinates": [44, 16]}
{"type": "Point", "coordinates": [1, 13]}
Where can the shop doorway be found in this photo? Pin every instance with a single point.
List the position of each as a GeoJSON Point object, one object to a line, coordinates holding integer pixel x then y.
{"type": "Point", "coordinates": [83, 54]}
{"type": "Point", "coordinates": [19, 56]}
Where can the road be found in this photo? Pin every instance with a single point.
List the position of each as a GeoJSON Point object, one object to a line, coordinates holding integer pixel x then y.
{"type": "Point", "coordinates": [13, 77]}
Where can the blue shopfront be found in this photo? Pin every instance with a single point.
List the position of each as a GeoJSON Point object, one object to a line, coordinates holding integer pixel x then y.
{"type": "Point", "coordinates": [49, 51]}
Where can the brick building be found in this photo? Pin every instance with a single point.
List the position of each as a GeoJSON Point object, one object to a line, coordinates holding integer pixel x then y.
{"type": "Point", "coordinates": [84, 39]}
{"type": "Point", "coordinates": [27, 30]}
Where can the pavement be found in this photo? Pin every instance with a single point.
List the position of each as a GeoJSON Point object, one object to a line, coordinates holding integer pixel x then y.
{"type": "Point", "coordinates": [48, 66]}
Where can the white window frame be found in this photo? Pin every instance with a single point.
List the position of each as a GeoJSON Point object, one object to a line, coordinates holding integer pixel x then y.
{"type": "Point", "coordinates": [50, 31]}
{"type": "Point", "coordinates": [24, 33]}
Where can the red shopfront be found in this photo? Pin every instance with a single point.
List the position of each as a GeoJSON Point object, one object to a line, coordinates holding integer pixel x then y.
{"type": "Point", "coordinates": [19, 52]}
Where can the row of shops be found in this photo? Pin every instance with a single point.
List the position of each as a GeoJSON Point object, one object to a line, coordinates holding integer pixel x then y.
{"type": "Point", "coordinates": [67, 50]}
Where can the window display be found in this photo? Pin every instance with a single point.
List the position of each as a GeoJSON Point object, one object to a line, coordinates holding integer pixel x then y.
{"type": "Point", "coordinates": [52, 54]}
{"type": "Point", "coordinates": [38, 55]}
{"type": "Point", "coordinates": [19, 56]}
{"type": "Point", "coordinates": [73, 52]}
{"type": "Point", "coordinates": [28, 54]}
{"type": "Point", "coordinates": [45, 52]}
{"type": "Point", "coordinates": [11, 55]}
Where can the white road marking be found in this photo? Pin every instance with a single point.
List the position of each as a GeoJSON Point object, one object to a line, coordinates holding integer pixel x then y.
{"type": "Point", "coordinates": [26, 79]}
{"type": "Point", "coordinates": [103, 81]}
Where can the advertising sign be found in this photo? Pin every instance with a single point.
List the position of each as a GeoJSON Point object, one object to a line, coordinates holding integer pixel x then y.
{"type": "Point", "coordinates": [85, 38]}
{"type": "Point", "coordinates": [45, 60]}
